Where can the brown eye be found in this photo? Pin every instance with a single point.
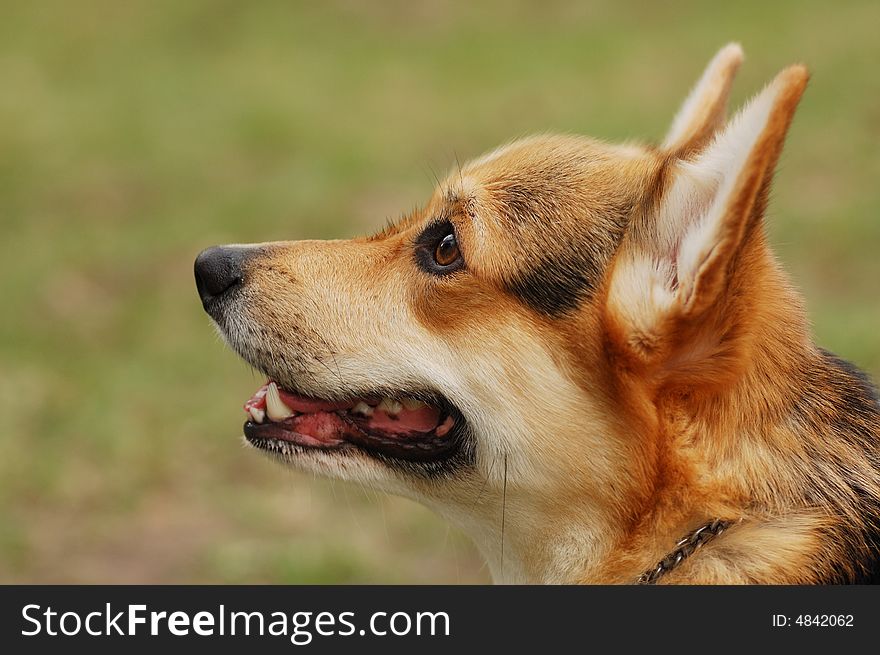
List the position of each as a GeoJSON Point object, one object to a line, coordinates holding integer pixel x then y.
{"type": "Point", "coordinates": [437, 251]}
{"type": "Point", "coordinates": [447, 252]}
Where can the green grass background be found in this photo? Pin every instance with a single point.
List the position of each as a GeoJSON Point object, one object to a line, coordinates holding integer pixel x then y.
{"type": "Point", "coordinates": [133, 134]}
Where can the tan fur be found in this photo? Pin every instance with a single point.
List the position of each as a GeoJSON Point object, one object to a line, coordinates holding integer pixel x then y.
{"type": "Point", "coordinates": [674, 382]}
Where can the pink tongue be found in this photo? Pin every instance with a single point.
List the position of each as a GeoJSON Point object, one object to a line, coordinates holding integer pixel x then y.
{"type": "Point", "coordinates": [321, 427]}
{"type": "Point", "coordinates": [416, 420]}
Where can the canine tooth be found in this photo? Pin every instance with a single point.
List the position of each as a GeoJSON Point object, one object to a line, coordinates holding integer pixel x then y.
{"type": "Point", "coordinates": [390, 407]}
{"type": "Point", "coordinates": [362, 408]}
{"type": "Point", "coordinates": [413, 404]}
{"type": "Point", "coordinates": [275, 407]}
{"type": "Point", "coordinates": [257, 414]}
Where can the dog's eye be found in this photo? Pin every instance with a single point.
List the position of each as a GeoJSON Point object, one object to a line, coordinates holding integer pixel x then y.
{"type": "Point", "coordinates": [437, 249]}
{"type": "Point", "coordinates": [446, 253]}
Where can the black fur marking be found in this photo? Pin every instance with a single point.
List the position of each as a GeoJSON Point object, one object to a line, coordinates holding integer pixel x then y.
{"type": "Point", "coordinates": [864, 387]}
{"type": "Point", "coordinates": [571, 265]}
{"type": "Point", "coordinates": [559, 282]}
{"type": "Point", "coordinates": [853, 415]}
{"type": "Point", "coordinates": [566, 249]}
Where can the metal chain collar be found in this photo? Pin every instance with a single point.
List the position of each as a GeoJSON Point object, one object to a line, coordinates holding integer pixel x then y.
{"type": "Point", "coordinates": [684, 549]}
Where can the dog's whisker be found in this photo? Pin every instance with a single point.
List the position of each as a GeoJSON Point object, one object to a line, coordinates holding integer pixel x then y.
{"type": "Point", "coordinates": [503, 512]}
{"type": "Point", "coordinates": [485, 483]}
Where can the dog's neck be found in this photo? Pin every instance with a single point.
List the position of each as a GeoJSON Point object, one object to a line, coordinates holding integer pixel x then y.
{"type": "Point", "coordinates": [762, 467]}
{"type": "Point", "coordinates": [779, 447]}
{"type": "Point", "coordinates": [526, 548]}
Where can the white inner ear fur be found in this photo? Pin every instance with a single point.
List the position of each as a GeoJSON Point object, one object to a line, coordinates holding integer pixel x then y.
{"type": "Point", "coordinates": [691, 215]}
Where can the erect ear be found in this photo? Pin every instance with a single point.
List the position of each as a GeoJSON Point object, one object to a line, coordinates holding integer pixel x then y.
{"type": "Point", "coordinates": [703, 111]}
{"type": "Point", "coordinates": [668, 294]}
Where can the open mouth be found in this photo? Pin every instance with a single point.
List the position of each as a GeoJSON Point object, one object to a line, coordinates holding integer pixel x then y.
{"type": "Point", "coordinates": [403, 427]}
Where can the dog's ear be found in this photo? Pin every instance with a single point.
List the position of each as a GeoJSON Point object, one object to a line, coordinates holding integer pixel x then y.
{"type": "Point", "coordinates": [670, 295]}
{"type": "Point", "coordinates": [703, 111]}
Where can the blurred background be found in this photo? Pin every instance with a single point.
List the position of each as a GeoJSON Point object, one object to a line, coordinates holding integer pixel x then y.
{"type": "Point", "coordinates": [133, 134]}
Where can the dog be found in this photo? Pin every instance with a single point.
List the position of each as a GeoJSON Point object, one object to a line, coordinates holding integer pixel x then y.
{"type": "Point", "coordinates": [583, 355]}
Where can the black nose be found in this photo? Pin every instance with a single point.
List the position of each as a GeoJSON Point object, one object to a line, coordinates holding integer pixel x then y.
{"type": "Point", "coordinates": [218, 270]}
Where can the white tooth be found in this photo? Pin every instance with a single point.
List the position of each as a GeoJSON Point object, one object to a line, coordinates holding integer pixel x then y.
{"type": "Point", "coordinates": [257, 414]}
{"type": "Point", "coordinates": [275, 407]}
{"type": "Point", "coordinates": [390, 407]}
{"type": "Point", "coordinates": [362, 408]}
{"type": "Point", "coordinates": [412, 404]}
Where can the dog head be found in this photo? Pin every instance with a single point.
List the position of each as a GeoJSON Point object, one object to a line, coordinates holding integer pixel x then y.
{"type": "Point", "coordinates": [497, 354]}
